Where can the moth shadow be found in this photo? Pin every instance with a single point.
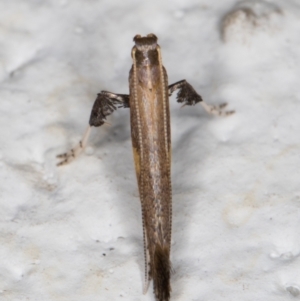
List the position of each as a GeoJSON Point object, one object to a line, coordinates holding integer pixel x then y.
{"type": "Point", "coordinates": [189, 150]}
{"type": "Point", "coordinates": [113, 147]}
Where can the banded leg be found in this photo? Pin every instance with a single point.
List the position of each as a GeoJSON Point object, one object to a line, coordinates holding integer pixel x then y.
{"type": "Point", "coordinates": [105, 104]}
{"type": "Point", "coordinates": [75, 151]}
{"type": "Point", "coordinates": [188, 96]}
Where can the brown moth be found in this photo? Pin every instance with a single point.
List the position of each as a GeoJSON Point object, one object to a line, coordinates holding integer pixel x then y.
{"type": "Point", "coordinates": [148, 101]}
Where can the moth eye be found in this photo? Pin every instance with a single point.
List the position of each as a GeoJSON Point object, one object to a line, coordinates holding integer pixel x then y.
{"type": "Point", "coordinates": [138, 36]}
{"type": "Point", "coordinates": [151, 35]}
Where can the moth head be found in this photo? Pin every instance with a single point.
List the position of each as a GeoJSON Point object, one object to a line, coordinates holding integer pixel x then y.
{"type": "Point", "coordinates": [145, 43]}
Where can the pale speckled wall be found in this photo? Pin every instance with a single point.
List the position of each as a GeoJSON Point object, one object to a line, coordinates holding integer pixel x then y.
{"type": "Point", "coordinates": [74, 232]}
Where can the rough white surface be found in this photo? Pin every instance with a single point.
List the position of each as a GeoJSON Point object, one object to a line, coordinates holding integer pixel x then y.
{"type": "Point", "coordinates": [74, 232]}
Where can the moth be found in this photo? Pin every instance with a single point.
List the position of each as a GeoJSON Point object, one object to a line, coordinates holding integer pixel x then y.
{"type": "Point", "coordinates": [148, 101]}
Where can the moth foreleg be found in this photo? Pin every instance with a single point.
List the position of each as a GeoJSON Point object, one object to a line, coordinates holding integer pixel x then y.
{"type": "Point", "coordinates": [105, 104]}
{"type": "Point", "coordinates": [188, 96]}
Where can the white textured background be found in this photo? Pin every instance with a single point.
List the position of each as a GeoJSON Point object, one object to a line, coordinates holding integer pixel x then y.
{"type": "Point", "coordinates": [74, 232]}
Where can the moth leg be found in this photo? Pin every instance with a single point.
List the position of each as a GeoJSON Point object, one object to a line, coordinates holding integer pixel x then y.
{"type": "Point", "coordinates": [188, 96]}
{"type": "Point", "coordinates": [105, 104]}
{"type": "Point", "coordinates": [75, 151]}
